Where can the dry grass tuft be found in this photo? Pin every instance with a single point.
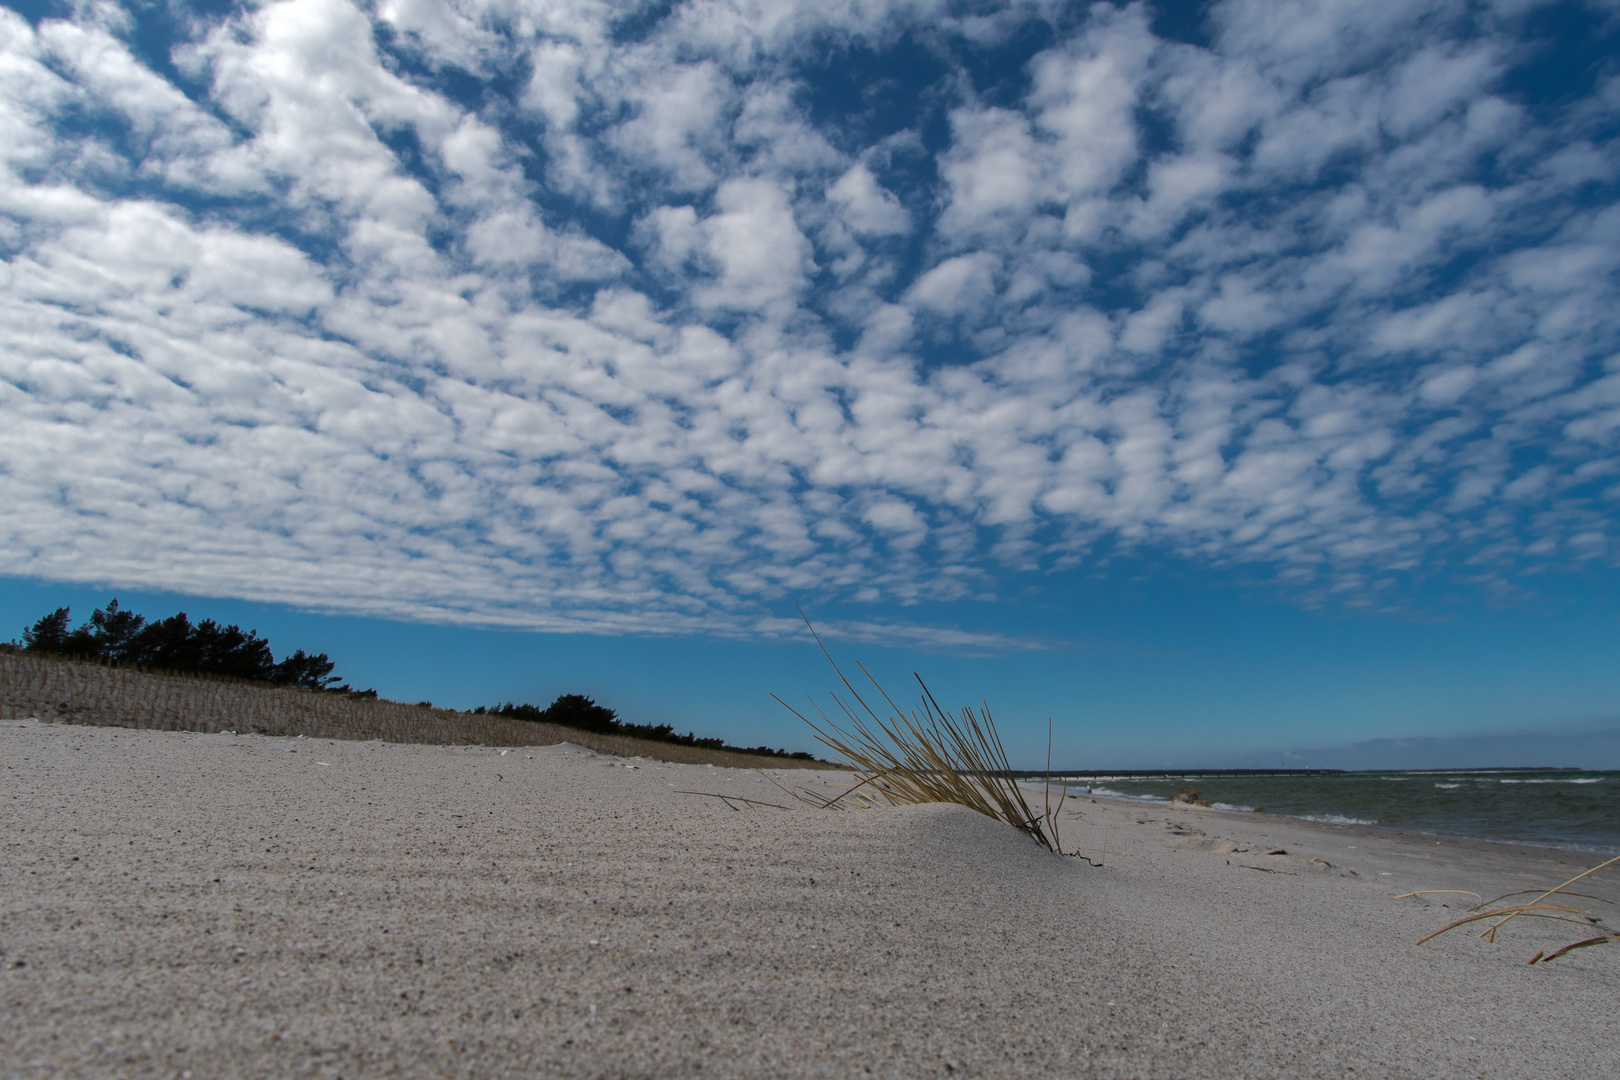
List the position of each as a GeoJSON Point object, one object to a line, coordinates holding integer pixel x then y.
{"type": "Point", "coordinates": [1536, 909]}
{"type": "Point", "coordinates": [80, 692]}
{"type": "Point", "coordinates": [928, 758]}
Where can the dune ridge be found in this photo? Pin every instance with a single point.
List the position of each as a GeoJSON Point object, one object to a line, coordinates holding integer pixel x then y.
{"type": "Point", "coordinates": [79, 692]}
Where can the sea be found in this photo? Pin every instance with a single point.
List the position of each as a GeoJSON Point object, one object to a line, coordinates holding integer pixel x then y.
{"type": "Point", "coordinates": [1572, 809]}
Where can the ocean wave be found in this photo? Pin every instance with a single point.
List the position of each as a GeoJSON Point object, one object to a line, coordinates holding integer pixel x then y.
{"type": "Point", "coordinates": [1335, 819]}
{"type": "Point", "coordinates": [1098, 789]}
{"type": "Point", "coordinates": [1448, 787]}
{"type": "Point", "coordinates": [1582, 780]}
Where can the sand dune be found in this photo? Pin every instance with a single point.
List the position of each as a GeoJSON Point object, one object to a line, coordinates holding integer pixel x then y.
{"type": "Point", "coordinates": [81, 692]}
{"type": "Point", "coordinates": [214, 905]}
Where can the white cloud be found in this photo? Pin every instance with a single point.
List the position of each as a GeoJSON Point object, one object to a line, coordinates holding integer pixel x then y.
{"type": "Point", "coordinates": [679, 125]}
{"type": "Point", "coordinates": [1147, 330]}
{"type": "Point", "coordinates": [899, 520]}
{"type": "Point", "coordinates": [956, 286]}
{"type": "Point", "coordinates": [762, 255]}
{"type": "Point", "coordinates": [1085, 96]}
{"type": "Point", "coordinates": [994, 171]}
{"type": "Point", "coordinates": [636, 347]}
{"type": "Point", "coordinates": [866, 206]}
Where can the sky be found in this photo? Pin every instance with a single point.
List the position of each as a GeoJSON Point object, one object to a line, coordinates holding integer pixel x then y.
{"type": "Point", "coordinates": [1224, 383]}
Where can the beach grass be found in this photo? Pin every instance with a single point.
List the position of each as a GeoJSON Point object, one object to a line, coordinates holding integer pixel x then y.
{"type": "Point", "coordinates": [86, 692]}
{"type": "Point", "coordinates": [926, 755]}
{"type": "Point", "coordinates": [1536, 909]}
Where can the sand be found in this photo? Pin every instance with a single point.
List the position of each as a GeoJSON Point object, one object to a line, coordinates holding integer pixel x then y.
{"type": "Point", "coordinates": [177, 904]}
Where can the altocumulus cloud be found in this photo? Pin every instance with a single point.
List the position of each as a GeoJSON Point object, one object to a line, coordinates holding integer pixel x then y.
{"type": "Point", "coordinates": [649, 318]}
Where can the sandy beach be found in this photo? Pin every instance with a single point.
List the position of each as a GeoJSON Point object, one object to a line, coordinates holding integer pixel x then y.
{"type": "Point", "coordinates": [197, 905]}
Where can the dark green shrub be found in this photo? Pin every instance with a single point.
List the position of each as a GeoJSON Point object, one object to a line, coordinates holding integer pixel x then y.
{"type": "Point", "coordinates": [174, 644]}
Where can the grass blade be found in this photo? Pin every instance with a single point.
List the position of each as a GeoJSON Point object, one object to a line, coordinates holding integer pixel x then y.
{"type": "Point", "coordinates": [928, 757]}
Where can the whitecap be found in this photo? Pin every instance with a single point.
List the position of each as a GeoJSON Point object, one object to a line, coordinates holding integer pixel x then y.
{"type": "Point", "coordinates": [1584, 780]}
{"type": "Point", "coordinates": [1112, 794]}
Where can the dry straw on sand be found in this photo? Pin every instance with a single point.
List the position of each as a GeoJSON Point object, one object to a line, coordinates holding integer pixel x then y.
{"type": "Point", "coordinates": [929, 758]}
{"type": "Point", "coordinates": [1536, 909]}
{"type": "Point", "coordinates": [82, 692]}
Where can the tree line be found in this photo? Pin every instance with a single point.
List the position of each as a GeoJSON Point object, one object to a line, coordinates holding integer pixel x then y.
{"type": "Point", "coordinates": [583, 714]}
{"type": "Point", "coordinates": [116, 634]}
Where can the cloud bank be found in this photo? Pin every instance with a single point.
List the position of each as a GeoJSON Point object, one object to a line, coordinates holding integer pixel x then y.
{"type": "Point", "coordinates": [611, 317]}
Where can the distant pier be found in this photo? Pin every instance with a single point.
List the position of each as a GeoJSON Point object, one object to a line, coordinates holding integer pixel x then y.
{"type": "Point", "coordinates": [1151, 774]}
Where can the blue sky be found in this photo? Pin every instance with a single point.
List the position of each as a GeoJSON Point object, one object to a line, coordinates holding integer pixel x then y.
{"type": "Point", "coordinates": [1220, 380]}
